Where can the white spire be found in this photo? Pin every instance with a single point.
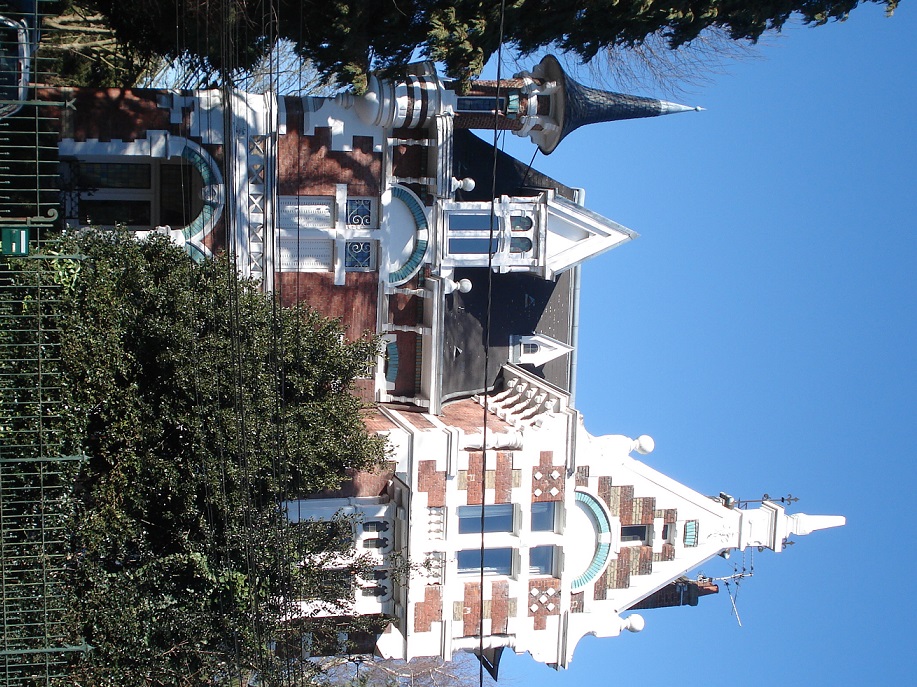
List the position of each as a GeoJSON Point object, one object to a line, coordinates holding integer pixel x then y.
{"type": "Point", "coordinates": [674, 108]}
{"type": "Point", "coordinates": [801, 523]}
{"type": "Point", "coordinates": [770, 526]}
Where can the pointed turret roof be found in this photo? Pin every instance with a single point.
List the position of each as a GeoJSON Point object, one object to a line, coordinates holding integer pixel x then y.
{"type": "Point", "coordinates": [575, 105]}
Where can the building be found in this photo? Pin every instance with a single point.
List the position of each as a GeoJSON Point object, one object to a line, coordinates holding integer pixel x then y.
{"type": "Point", "coordinates": [524, 531]}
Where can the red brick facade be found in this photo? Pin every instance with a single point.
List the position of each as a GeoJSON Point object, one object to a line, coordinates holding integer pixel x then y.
{"type": "Point", "coordinates": [354, 302]}
{"type": "Point", "coordinates": [471, 609]}
{"type": "Point", "coordinates": [430, 610]}
{"type": "Point", "coordinates": [431, 482]}
{"type": "Point", "coordinates": [306, 165]}
{"type": "Point", "coordinates": [545, 485]}
{"type": "Point", "coordinates": [544, 600]}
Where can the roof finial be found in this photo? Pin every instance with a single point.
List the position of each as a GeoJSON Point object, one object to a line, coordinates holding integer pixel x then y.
{"type": "Point", "coordinates": [574, 105]}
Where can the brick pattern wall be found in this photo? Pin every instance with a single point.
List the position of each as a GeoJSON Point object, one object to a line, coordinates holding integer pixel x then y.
{"type": "Point", "coordinates": [604, 489]}
{"type": "Point", "coordinates": [465, 120]}
{"type": "Point", "coordinates": [306, 165]}
{"type": "Point", "coordinates": [668, 515]}
{"type": "Point", "coordinates": [430, 610]}
{"type": "Point", "coordinates": [432, 482]}
{"type": "Point", "coordinates": [471, 617]}
{"type": "Point", "coordinates": [600, 588]}
{"type": "Point", "coordinates": [468, 416]}
{"type": "Point", "coordinates": [548, 480]}
{"type": "Point", "coordinates": [475, 479]}
{"type": "Point", "coordinates": [115, 114]}
{"type": "Point", "coordinates": [354, 303]}
{"type": "Point", "coordinates": [499, 607]}
{"type": "Point", "coordinates": [667, 554]}
{"type": "Point", "coordinates": [582, 476]}
{"type": "Point", "coordinates": [577, 602]}
{"type": "Point", "coordinates": [543, 600]}
{"type": "Point", "coordinates": [503, 479]}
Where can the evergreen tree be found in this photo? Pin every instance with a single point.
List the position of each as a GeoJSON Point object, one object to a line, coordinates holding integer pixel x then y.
{"type": "Point", "coordinates": [347, 38]}
{"type": "Point", "coordinates": [201, 406]}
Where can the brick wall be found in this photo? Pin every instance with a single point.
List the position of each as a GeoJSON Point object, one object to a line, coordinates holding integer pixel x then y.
{"type": "Point", "coordinates": [471, 617]}
{"type": "Point", "coordinates": [432, 482]}
{"type": "Point", "coordinates": [468, 416]}
{"type": "Point", "coordinates": [306, 165]}
{"type": "Point", "coordinates": [543, 600]}
{"type": "Point", "coordinates": [499, 607]}
{"type": "Point", "coordinates": [548, 480]}
{"type": "Point", "coordinates": [430, 610]}
{"type": "Point", "coordinates": [117, 114]}
{"type": "Point", "coordinates": [354, 302]}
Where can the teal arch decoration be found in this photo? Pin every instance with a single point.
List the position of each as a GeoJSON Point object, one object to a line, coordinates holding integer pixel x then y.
{"type": "Point", "coordinates": [603, 548]}
{"type": "Point", "coordinates": [415, 260]}
{"type": "Point", "coordinates": [212, 208]}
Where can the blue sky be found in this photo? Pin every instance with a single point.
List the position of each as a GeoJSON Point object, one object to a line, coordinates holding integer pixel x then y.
{"type": "Point", "coordinates": [762, 330]}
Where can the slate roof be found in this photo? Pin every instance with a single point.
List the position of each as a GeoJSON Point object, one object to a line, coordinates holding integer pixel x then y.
{"type": "Point", "coordinates": [473, 157]}
{"type": "Point", "coordinates": [521, 304]}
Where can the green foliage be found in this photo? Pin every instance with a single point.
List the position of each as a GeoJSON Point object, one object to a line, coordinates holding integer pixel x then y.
{"type": "Point", "coordinates": [202, 406]}
{"type": "Point", "coordinates": [347, 38]}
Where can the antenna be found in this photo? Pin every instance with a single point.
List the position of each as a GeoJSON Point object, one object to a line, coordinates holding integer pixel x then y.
{"type": "Point", "coordinates": [733, 580]}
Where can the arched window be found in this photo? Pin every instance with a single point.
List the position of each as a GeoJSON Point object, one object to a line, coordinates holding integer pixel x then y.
{"type": "Point", "coordinates": [520, 244]}
{"type": "Point", "coordinates": [520, 223]}
{"type": "Point", "coordinates": [138, 192]}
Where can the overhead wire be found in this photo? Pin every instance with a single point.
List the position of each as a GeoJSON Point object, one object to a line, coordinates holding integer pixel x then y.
{"type": "Point", "coordinates": [487, 335]}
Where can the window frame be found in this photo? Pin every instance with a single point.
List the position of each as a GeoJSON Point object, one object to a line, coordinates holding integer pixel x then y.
{"type": "Point", "coordinates": [497, 511]}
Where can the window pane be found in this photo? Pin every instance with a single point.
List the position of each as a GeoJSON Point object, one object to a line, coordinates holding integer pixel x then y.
{"type": "Point", "coordinates": [541, 560]}
{"type": "Point", "coordinates": [634, 533]}
{"type": "Point", "coordinates": [520, 244]}
{"type": "Point", "coordinates": [497, 518]}
{"type": "Point", "coordinates": [479, 222]}
{"type": "Point", "coordinates": [473, 246]}
{"type": "Point", "coordinates": [111, 212]}
{"type": "Point", "coordinates": [496, 561]}
{"type": "Point", "coordinates": [113, 175]}
{"type": "Point", "coordinates": [479, 104]}
{"type": "Point", "coordinates": [179, 194]}
{"type": "Point", "coordinates": [543, 516]}
{"type": "Point", "coordinates": [520, 223]}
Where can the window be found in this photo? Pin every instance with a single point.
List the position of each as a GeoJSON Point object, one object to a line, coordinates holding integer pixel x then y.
{"type": "Point", "coordinates": [471, 222]}
{"type": "Point", "coordinates": [140, 195]}
{"type": "Point", "coordinates": [544, 516]}
{"type": "Point", "coordinates": [520, 223]}
{"type": "Point", "coordinates": [495, 561]}
{"type": "Point", "coordinates": [636, 534]}
{"type": "Point", "coordinates": [359, 256]}
{"type": "Point", "coordinates": [475, 246]}
{"type": "Point", "coordinates": [480, 104]}
{"type": "Point", "coordinates": [529, 349]}
{"type": "Point", "coordinates": [360, 213]}
{"type": "Point", "coordinates": [375, 526]}
{"type": "Point", "coordinates": [375, 543]}
{"type": "Point", "coordinates": [520, 244]}
{"type": "Point", "coordinates": [541, 560]}
{"type": "Point", "coordinates": [497, 518]}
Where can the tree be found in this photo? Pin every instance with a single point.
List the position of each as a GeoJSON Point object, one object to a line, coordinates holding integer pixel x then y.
{"type": "Point", "coordinates": [201, 406]}
{"type": "Point", "coordinates": [347, 38]}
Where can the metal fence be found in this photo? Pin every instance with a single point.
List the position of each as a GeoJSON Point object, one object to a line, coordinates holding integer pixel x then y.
{"type": "Point", "coordinates": [36, 479]}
